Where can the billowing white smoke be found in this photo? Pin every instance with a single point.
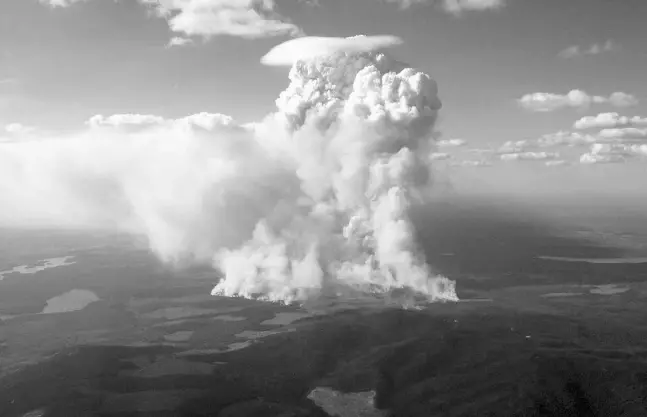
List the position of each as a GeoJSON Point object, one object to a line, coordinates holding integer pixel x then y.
{"type": "Point", "coordinates": [359, 130]}
{"type": "Point", "coordinates": [191, 185]}
{"type": "Point", "coordinates": [312, 201]}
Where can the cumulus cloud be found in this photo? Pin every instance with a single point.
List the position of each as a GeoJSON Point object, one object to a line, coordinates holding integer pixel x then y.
{"type": "Point", "coordinates": [595, 49]}
{"type": "Point", "coordinates": [609, 120]}
{"type": "Point", "coordinates": [179, 41]}
{"type": "Point", "coordinates": [446, 143]}
{"type": "Point", "coordinates": [612, 145]}
{"type": "Point", "coordinates": [18, 132]}
{"type": "Point", "coordinates": [313, 200]}
{"type": "Point", "coordinates": [134, 121]}
{"type": "Point", "coordinates": [19, 129]}
{"type": "Point", "coordinates": [208, 18]}
{"type": "Point", "coordinates": [547, 102]}
{"type": "Point", "coordinates": [537, 149]}
{"type": "Point", "coordinates": [639, 149]}
{"type": "Point", "coordinates": [591, 158]}
{"type": "Point", "coordinates": [310, 47]}
{"type": "Point", "coordinates": [613, 153]}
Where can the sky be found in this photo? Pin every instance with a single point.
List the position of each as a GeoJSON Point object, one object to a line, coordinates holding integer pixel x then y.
{"type": "Point", "coordinates": [64, 61]}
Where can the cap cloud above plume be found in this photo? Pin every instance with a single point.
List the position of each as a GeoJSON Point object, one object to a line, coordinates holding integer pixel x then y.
{"type": "Point", "coordinates": [310, 47]}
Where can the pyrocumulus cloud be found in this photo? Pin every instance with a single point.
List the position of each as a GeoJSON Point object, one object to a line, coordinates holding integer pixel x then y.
{"type": "Point", "coordinates": [311, 201]}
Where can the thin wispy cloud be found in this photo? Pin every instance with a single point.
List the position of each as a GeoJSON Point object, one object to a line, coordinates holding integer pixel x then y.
{"type": "Point", "coordinates": [124, 120]}
{"type": "Point", "coordinates": [578, 99]}
{"type": "Point", "coordinates": [620, 99]}
{"type": "Point", "coordinates": [455, 7]}
{"type": "Point", "coordinates": [439, 156]}
{"type": "Point", "coordinates": [208, 18]}
{"type": "Point", "coordinates": [18, 128]}
{"type": "Point", "coordinates": [624, 133]}
{"type": "Point", "coordinates": [59, 3]}
{"type": "Point", "coordinates": [556, 163]}
{"type": "Point", "coordinates": [451, 143]}
{"type": "Point", "coordinates": [480, 151]}
{"type": "Point", "coordinates": [475, 163]}
{"type": "Point", "coordinates": [565, 138]}
{"type": "Point", "coordinates": [594, 49]}
{"type": "Point", "coordinates": [137, 122]}
{"type": "Point", "coordinates": [529, 156]}
{"type": "Point", "coordinates": [516, 146]}
{"type": "Point", "coordinates": [551, 140]}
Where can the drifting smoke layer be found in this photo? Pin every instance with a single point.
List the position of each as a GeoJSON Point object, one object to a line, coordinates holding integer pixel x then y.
{"type": "Point", "coordinates": [311, 201]}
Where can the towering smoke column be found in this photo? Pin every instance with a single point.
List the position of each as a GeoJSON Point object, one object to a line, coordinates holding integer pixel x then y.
{"type": "Point", "coordinates": [358, 136]}
{"type": "Point", "coordinates": [311, 201]}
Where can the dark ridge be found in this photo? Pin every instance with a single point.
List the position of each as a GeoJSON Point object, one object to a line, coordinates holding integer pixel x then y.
{"type": "Point", "coordinates": [420, 363]}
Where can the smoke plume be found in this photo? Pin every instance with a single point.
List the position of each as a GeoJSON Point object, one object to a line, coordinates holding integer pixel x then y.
{"type": "Point", "coordinates": [312, 201]}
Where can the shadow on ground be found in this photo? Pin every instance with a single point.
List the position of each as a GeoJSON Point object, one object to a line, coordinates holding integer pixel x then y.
{"type": "Point", "coordinates": [487, 246]}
